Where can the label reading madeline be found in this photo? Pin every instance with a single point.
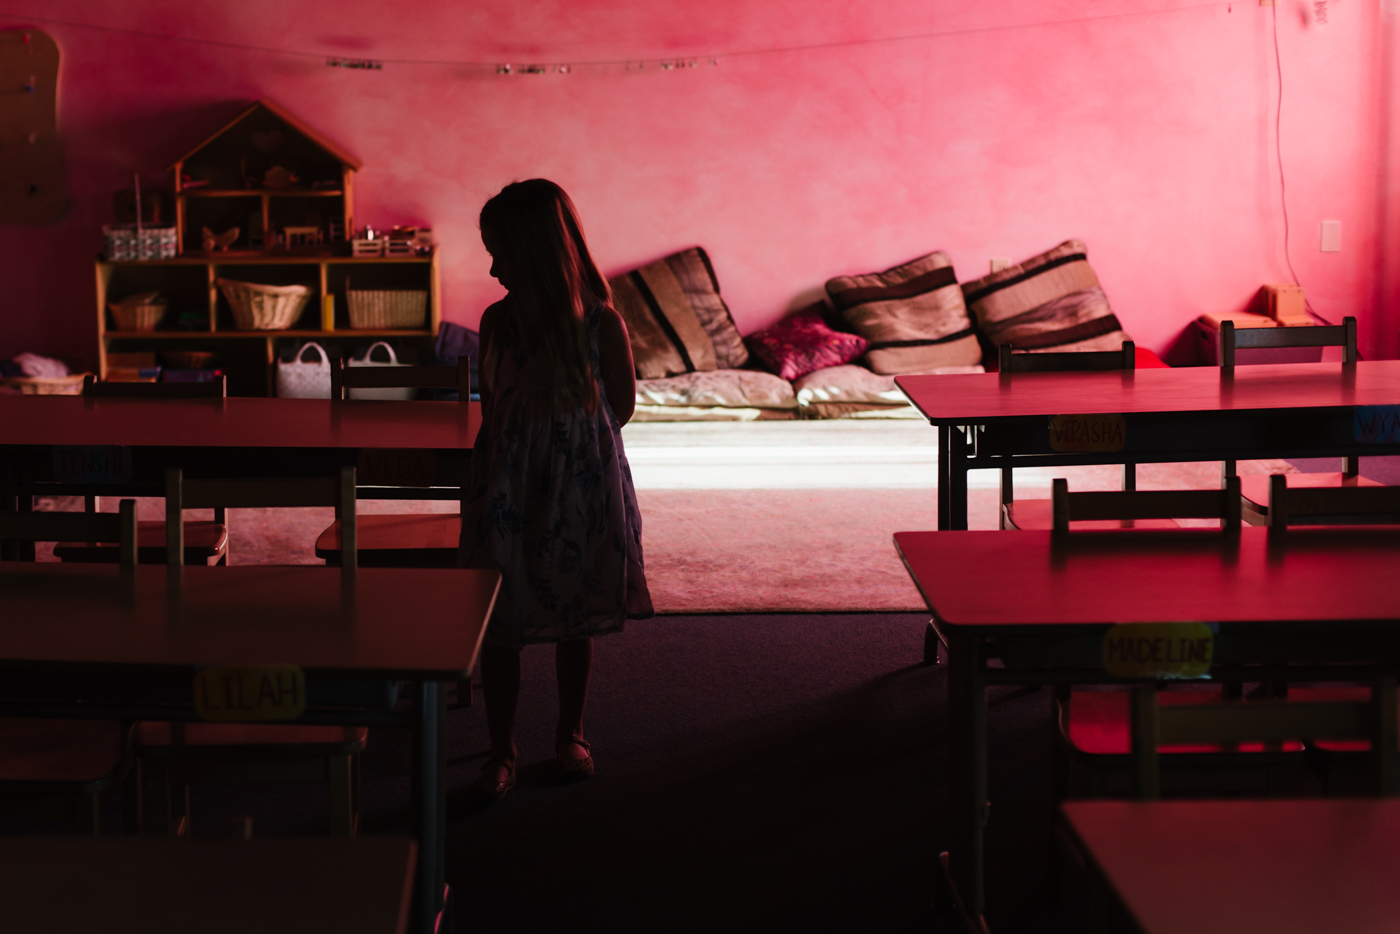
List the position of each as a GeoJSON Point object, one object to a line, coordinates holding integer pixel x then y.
{"type": "Point", "coordinates": [1377, 424]}
{"type": "Point", "coordinates": [1087, 433]}
{"type": "Point", "coordinates": [1159, 650]}
{"type": "Point", "coordinates": [91, 463]}
{"type": "Point", "coordinates": [264, 692]}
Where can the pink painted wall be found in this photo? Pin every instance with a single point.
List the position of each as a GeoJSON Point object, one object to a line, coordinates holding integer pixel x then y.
{"type": "Point", "coordinates": [1142, 126]}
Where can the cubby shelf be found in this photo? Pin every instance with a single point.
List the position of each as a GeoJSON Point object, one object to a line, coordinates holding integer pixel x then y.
{"type": "Point", "coordinates": [189, 283]}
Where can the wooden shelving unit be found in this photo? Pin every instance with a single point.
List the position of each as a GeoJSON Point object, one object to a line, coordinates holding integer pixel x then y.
{"type": "Point", "coordinates": [189, 284]}
{"type": "Point", "coordinates": [242, 176]}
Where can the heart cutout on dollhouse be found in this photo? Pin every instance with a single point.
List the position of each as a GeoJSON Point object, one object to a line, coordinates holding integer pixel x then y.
{"type": "Point", "coordinates": [266, 142]}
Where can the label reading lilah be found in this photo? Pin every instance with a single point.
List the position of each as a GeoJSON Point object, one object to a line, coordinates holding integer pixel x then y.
{"type": "Point", "coordinates": [1175, 651]}
{"type": "Point", "coordinates": [1088, 433]}
{"type": "Point", "coordinates": [265, 692]}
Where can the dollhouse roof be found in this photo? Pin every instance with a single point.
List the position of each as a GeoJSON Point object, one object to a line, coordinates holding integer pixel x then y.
{"type": "Point", "coordinates": [291, 120]}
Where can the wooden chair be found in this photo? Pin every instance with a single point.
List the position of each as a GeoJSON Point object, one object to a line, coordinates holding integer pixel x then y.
{"type": "Point", "coordinates": [1255, 489]}
{"type": "Point", "coordinates": [1338, 505]}
{"type": "Point", "coordinates": [1035, 513]}
{"type": "Point", "coordinates": [61, 769]}
{"type": "Point", "coordinates": [423, 540]}
{"type": "Point", "coordinates": [173, 756]}
{"type": "Point", "coordinates": [1372, 719]}
{"type": "Point", "coordinates": [1112, 509]}
{"type": "Point", "coordinates": [204, 542]}
{"type": "Point", "coordinates": [213, 389]}
{"type": "Point", "coordinates": [415, 540]}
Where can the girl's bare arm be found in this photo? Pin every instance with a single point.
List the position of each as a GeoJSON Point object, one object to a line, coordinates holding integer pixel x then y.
{"type": "Point", "coordinates": [615, 361]}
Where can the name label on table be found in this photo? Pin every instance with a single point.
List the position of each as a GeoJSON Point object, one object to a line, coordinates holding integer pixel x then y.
{"type": "Point", "coordinates": [1086, 433]}
{"type": "Point", "coordinates": [265, 692]}
{"type": "Point", "coordinates": [1377, 424]}
{"type": "Point", "coordinates": [1159, 650]}
{"type": "Point", "coordinates": [393, 467]}
{"type": "Point", "coordinates": [96, 463]}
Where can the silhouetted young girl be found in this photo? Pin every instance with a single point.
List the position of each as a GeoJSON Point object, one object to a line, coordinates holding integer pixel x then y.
{"type": "Point", "coordinates": [550, 502]}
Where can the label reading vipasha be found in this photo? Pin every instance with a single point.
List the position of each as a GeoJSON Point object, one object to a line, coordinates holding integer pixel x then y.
{"type": "Point", "coordinates": [1087, 433]}
{"type": "Point", "coordinates": [1159, 650]}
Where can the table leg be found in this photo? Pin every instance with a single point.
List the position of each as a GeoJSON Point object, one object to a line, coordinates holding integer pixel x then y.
{"type": "Point", "coordinates": [957, 479]}
{"type": "Point", "coordinates": [944, 513]}
{"type": "Point", "coordinates": [429, 803]}
{"type": "Point", "coordinates": [967, 761]}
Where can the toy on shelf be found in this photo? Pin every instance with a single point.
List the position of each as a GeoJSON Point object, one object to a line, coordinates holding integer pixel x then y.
{"type": "Point", "coordinates": [268, 159]}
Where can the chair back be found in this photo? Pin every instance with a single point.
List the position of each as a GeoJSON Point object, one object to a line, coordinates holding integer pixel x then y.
{"type": "Point", "coordinates": [1339, 505]}
{"type": "Point", "coordinates": [181, 494]}
{"type": "Point", "coordinates": [402, 377]}
{"type": "Point", "coordinates": [77, 526]}
{"type": "Point", "coordinates": [1270, 721]}
{"type": "Point", "coordinates": [1223, 504]}
{"type": "Point", "coordinates": [213, 389]}
{"type": "Point", "coordinates": [1013, 361]}
{"type": "Point", "coordinates": [1323, 335]}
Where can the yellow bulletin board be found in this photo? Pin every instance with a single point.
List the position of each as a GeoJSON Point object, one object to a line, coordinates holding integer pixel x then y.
{"type": "Point", "coordinates": [32, 185]}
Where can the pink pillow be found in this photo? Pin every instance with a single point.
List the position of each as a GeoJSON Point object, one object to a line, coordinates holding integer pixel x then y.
{"type": "Point", "coordinates": [802, 342]}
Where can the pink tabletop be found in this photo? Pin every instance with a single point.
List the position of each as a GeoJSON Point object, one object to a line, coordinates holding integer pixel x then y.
{"type": "Point", "coordinates": [1200, 867]}
{"type": "Point", "coordinates": [401, 622]}
{"type": "Point", "coordinates": [979, 397]}
{"type": "Point", "coordinates": [1006, 578]}
{"type": "Point", "coordinates": [237, 422]}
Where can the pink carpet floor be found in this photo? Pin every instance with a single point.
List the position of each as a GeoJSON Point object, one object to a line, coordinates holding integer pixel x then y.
{"type": "Point", "coordinates": [738, 550]}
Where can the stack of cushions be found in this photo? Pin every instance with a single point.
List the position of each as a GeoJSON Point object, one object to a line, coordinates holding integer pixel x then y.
{"type": "Point", "coordinates": [686, 348]}
{"type": "Point", "coordinates": [913, 316]}
{"type": "Point", "coordinates": [1051, 302]}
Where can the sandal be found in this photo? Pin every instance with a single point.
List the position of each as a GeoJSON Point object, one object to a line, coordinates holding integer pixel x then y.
{"type": "Point", "coordinates": [574, 768]}
{"type": "Point", "coordinates": [486, 783]}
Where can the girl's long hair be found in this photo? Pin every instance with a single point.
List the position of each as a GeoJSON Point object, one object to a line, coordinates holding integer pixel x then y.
{"type": "Point", "coordinates": [536, 230]}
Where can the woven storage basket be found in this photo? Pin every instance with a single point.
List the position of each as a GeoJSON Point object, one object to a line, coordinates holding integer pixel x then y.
{"type": "Point", "coordinates": [387, 309]}
{"type": "Point", "coordinates": [133, 316]}
{"type": "Point", "coordinates": [46, 386]}
{"type": "Point", "coordinates": [259, 307]}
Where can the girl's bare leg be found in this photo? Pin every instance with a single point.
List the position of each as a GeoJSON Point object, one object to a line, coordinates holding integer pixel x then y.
{"type": "Point", "coordinates": [573, 660]}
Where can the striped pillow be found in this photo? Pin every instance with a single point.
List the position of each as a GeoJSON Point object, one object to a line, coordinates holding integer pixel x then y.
{"type": "Point", "coordinates": [675, 316]}
{"type": "Point", "coordinates": [913, 315]}
{"type": "Point", "coordinates": [1049, 302]}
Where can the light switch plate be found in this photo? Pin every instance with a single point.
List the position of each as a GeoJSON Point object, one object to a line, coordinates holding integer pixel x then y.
{"type": "Point", "coordinates": [1331, 237]}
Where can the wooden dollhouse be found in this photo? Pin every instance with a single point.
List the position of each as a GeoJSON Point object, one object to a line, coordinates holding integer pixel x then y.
{"type": "Point", "coordinates": [265, 199]}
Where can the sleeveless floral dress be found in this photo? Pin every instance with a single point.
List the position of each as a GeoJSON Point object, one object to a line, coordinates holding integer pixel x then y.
{"type": "Point", "coordinates": [550, 504]}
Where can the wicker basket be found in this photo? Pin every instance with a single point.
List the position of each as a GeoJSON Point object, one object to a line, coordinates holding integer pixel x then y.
{"type": "Point", "coordinates": [138, 315]}
{"type": "Point", "coordinates": [387, 309]}
{"type": "Point", "coordinates": [259, 307]}
{"type": "Point", "coordinates": [46, 386]}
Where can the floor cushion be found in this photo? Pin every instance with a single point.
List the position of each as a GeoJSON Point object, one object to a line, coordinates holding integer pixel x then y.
{"type": "Point", "coordinates": [913, 315]}
{"type": "Point", "coordinates": [726, 388]}
{"type": "Point", "coordinates": [853, 391]}
{"type": "Point", "coordinates": [1050, 302]}
{"type": "Point", "coordinates": [802, 342]}
{"type": "Point", "coordinates": [676, 319]}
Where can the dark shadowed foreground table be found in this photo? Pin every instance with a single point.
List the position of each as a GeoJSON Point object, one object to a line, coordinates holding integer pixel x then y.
{"type": "Point", "coordinates": [993, 420]}
{"type": "Point", "coordinates": [75, 885]}
{"type": "Point", "coordinates": [1222, 867]}
{"type": "Point", "coordinates": [1315, 604]}
{"type": "Point", "coordinates": [89, 642]}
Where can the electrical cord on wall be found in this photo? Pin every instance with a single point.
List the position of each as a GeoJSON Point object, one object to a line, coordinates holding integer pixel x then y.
{"type": "Point", "coordinates": [1282, 182]}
